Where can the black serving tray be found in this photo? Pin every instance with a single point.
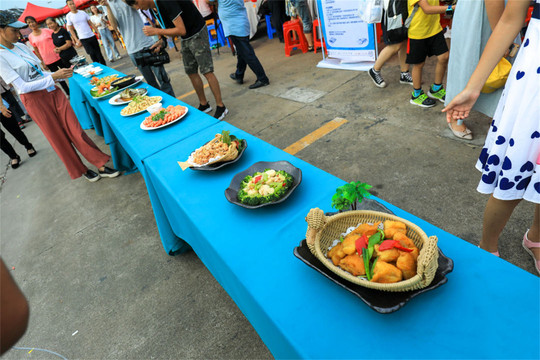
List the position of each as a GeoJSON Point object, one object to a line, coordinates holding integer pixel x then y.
{"type": "Point", "coordinates": [383, 302]}
{"type": "Point", "coordinates": [219, 165]}
{"type": "Point", "coordinates": [231, 193]}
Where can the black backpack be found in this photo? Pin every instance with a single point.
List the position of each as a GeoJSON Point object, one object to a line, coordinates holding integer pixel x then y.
{"type": "Point", "coordinates": [397, 21]}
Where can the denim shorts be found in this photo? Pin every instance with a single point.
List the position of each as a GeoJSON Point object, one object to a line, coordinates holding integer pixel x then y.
{"type": "Point", "coordinates": [196, 53]}
{"type": "Point", "coordinates": [303, 11]}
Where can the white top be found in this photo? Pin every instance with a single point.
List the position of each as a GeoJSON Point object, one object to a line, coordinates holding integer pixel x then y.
{"type": "Point", "coordinates": [16, 70]}
{"type": "Point", "coordinates": [203, 7]}
{"type": "Point", "coordinates": [98, 21]}
{"type": "Point", "coordinates": [80, 23]}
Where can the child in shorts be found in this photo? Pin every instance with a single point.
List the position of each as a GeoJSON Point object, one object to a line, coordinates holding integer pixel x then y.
{"type": "Point", "coordinates": [426, 39]}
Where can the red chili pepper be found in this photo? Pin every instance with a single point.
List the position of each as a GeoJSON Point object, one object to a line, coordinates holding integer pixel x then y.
{"type": "Point", "coordinates": [361, 243]}
{"type": "Point", "coordinates": [283, 185]}
{"type": "Point", "coordinates": [387, 245]}
{"type": "Point", "coordinates": [258, 178]}
{"type": "Point", "coordinates": [402, 248]}
{"type": "Point", "coordinates": [390, 244]}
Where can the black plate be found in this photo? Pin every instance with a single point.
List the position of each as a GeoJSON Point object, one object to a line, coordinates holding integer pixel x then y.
{"type": "Point", "coordinates": [219, 165]}
{"type": "Point", "coordinates": [231, 193]}
{"type": "Point", "coordinates": [383, 302]}
{"type": "Point", "coordinates": [123, 82]}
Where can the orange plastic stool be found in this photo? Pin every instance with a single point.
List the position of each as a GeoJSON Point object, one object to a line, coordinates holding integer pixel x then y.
{"type": "Point", "coordinates": [318, 42]}
{"type": "Point", "coordinates": [294, 37]}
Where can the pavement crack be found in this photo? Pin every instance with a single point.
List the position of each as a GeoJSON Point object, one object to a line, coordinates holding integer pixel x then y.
{"type": "Point", "coordinates": [90, 225]}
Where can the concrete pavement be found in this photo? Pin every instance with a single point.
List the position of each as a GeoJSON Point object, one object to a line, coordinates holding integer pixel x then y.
{"type": "Point", "coordinates": [89, 258]}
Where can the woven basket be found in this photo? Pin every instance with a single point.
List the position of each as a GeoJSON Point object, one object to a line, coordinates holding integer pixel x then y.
{"type": "Point", "coordinates": [323, 230]}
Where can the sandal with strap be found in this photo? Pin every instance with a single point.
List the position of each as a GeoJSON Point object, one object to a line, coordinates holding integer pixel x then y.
{"type": "Point", "coordinates": [16, 164]}
{"type": "Point", "coordinates": [528, 245]}
{"type": "Point", "coordinates": [31, 152]}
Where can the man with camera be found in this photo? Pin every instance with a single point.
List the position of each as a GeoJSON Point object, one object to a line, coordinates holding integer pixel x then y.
{"type": "Point", "coordinates": [147, 55]}
{"type": "Point", "coordinates": [181, 18]}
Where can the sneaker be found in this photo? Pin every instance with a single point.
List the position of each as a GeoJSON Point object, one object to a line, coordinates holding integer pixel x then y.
{"type": "Point", "coordinates": [91, 176]}
{"type": "Point", "coordinates": [220, 113]}
{"type": "Point", "coordinates": [111, 60]}
{"type": "Point", "coordinates": [405, 78]}
{"type": "Point", "coordinates": [118, 57]}
{"type": "Point", "coordinates": [205, 108]}
{"type": "Point", "coordinates": [437, 95]}
{"type": "Point", "coordinates": [377, 78]}
{"type": "Point", "coordinates": [108, 172]}
{"type": "Point", "coordinates": [422, 100]}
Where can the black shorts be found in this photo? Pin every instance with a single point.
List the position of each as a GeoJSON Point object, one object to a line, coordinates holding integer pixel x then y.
{"type": "Point", "coordinates": [418, 50]}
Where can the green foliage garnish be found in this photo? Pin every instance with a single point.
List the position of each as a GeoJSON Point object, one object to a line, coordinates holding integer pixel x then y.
{"type": "Point", "coordinates": [227, 138]}
{"type": "Point", "coordinates": [160, 115]}
{"type": "Point", "coordinates": [348, 194]}
{"type": "Point", "coordinates": [367, 254]}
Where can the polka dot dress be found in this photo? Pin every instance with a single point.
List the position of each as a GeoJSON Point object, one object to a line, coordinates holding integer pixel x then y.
{"type": "Point", "coordinates": [510, 159]}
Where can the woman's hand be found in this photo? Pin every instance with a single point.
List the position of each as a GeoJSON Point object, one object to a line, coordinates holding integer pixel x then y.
{"type": "Point", "coordinates": [62, 74]}
{"type": "Point", "coordinates": [5, 111]}
{"type": "Point", "coordinates": [461, 105]}
{"type": "Point", "coordinates": [57, 50]}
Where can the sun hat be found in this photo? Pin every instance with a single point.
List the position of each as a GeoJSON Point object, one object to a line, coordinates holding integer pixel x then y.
{"type": "Point", "coordinates": [8, 18]}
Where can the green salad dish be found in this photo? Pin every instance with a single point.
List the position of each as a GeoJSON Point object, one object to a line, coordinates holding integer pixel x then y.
{"type": "Point", "coordinates": [264, 187]}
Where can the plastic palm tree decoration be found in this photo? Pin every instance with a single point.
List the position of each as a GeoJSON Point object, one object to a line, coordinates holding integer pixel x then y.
{"type": "Point", "coordinates": [347, 195]}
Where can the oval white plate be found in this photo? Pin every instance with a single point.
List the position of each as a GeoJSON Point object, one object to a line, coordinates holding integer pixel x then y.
{"type": "Point", "coordinates": [144, 127]}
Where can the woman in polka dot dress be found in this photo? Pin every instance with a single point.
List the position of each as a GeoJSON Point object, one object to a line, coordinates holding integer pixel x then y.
{"type": "Point", "coordinates": [510, 159]}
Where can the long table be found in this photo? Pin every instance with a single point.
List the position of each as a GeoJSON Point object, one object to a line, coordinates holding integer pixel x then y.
{"type": "Point", "coordinates": [488, 309]}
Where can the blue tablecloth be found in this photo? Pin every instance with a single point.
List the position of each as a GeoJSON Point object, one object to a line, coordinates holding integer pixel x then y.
{"type": "Point", "coordinates": [488, 309]}
{"type": "Point", "coordinates": [130, 144]}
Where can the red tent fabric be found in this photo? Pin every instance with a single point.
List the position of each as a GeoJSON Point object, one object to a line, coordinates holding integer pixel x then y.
{"type": "Point", "coordinates": [81, 4]}
{"type": "Point", "coordinates": [40, 12]}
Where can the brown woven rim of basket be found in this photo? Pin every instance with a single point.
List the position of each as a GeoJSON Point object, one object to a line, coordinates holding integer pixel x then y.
{"type": "Point", "coordinates": [323, 230]}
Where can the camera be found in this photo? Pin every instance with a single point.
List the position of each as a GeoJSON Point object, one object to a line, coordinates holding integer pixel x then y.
{"type": "Point", "coordinates": [147, 57]}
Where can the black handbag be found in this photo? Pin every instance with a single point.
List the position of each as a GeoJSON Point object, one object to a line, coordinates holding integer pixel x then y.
{"type": "Point", "coordinates": [397, 21]}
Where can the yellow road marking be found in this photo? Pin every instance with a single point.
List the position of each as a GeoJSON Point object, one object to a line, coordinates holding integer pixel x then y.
{"type": "Point", "coordinates": [190, 93]}
{"type": "Point", "coordinates": [314, 136]}
{"type": "Point", "coordinates": [31, 351]}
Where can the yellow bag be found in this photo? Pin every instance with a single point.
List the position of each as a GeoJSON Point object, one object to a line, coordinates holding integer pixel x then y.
{"type": "Point", "coordinates": [498, 76]}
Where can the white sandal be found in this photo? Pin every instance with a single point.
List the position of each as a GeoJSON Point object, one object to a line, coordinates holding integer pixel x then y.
{"type": "Point", "coordinates": [465, 135]}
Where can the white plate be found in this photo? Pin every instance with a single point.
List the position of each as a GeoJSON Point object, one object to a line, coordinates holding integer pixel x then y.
{"type": "Point", "coordinates": [138, 79]}
{"type": "Point", "coordinates": [144, 127]}
{"type": "Point", "coordinates": [113, 101]}
{"type": "Point", "coordinates": [138, 112]}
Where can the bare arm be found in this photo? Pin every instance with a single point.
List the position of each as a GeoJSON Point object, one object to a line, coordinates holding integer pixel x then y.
{"type": "Point", "coordinates": [94, 28]}
{"type": "Point", "coordinates": [15, 310]}
{"type": "Point", "coordinates": [38, 54]}
{"type": "Point", "coordinates": [504, 33]}
{"type": "Point", "coordinates": [110, 15]}
{"type": "Point", "coordinates": [494, 10]}
{"type": "Point", "coordinates": [433, 9]}
{"type": "Point", "coordinates": [178, 30]}
{"type": "Point", "coordinates": [73, 34]}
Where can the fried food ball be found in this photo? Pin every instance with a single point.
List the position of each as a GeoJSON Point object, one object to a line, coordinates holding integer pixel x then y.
{"type": "Point", "coordinates": [366, 229]}
{"type": "Point", "coordinates": [353, 264]}
{"type": "Point", "coordinates": [388, 256]}
{"type": "Point", "coordinates": [408, 243]}
{"type": "Point", "coordinates": [393, 227]}
{"type": "Point", "coordinates": [349, 243]}
{"type": "Point", "coordinates": [406, 262]}
{"type": "Point", "coordinates": [386, 273]}
{"type": "Point", "coordinates": [336, 254]}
